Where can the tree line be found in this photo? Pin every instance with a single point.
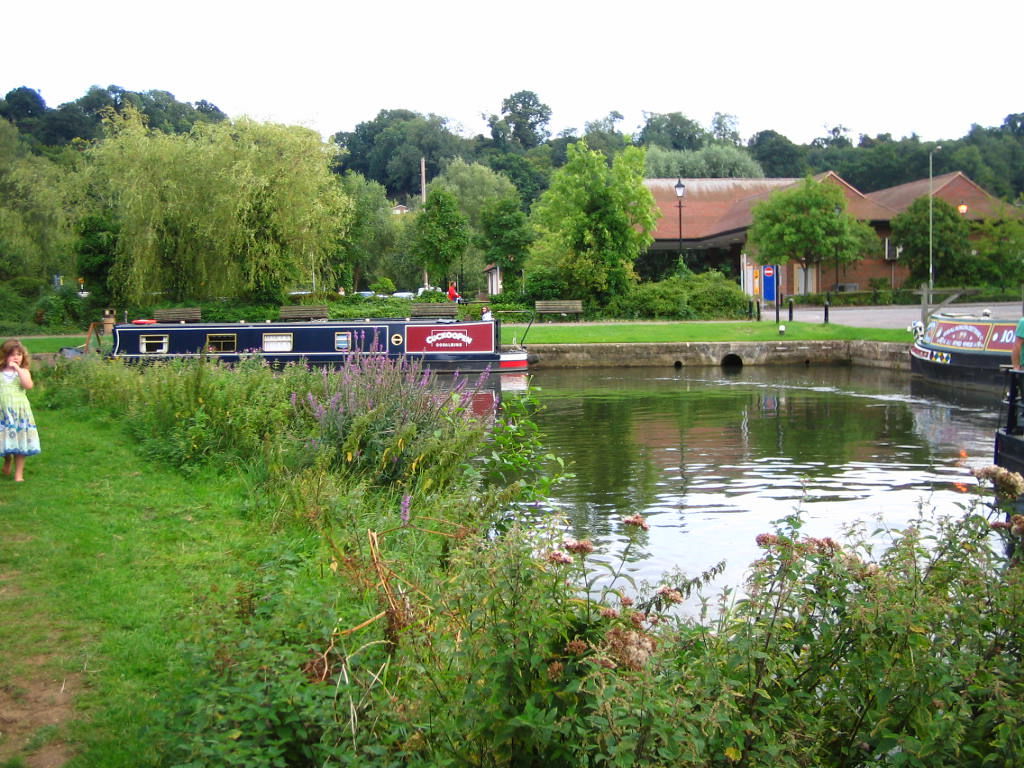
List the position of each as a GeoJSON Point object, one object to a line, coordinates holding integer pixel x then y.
{"type": "Point", "coordinates": [140, 195]}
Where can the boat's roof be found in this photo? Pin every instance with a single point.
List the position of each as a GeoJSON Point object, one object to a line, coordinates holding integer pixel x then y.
{"type": "Point", "coordinates": [973, 317]}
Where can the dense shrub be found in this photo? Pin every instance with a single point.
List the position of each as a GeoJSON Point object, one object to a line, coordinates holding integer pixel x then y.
{"type": "Point", "coordinates": [707, 296]}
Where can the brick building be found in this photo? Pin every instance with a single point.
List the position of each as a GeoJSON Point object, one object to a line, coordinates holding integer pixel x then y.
{"type": "Point", "coordinates": [710, 228]}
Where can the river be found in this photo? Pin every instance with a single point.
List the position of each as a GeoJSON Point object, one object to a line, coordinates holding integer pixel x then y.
{"type": "Point", "coordinates": [712, 458]}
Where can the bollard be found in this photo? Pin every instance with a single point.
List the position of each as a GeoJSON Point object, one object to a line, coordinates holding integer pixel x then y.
{"type": "Point", "coordinates": [758, 306]}
{"type": "Point", "coordinates": [750, 310]}
{"type": "Point", "coordinates": [778, 306]}
{"type": "Point", "coordinates": [826, 313]}
{"type": "Point", "coordinates": [791, 310]}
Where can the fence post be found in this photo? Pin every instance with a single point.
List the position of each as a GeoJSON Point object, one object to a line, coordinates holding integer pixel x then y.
{"type": "Point", "coordinates": [791, 310]}
{"type": "Point", "coordinates": [826, 311]}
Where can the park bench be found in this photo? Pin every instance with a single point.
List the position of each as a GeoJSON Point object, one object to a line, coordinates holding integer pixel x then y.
{"type": "Point", "coordinates": [559, 307]}
{"type": "Point", "coordinates": [304, 312]}
{"type": "Point", "coordinates": [433, 309]}
{"type": "Point", "coordinates": [178, 315]}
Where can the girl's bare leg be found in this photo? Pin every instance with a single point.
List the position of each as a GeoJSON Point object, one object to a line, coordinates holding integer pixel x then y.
{"type": "Point", "coordinates": [19, 467]}
{"type": "Point", "coordinates": [7, 464]}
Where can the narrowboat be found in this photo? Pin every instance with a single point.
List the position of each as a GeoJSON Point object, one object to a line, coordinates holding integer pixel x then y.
{"type": "Point", "coordinates": [1009, 452]}
{"type": "Point", "coordinates": [442, 345]}
{"type": "Point", "coordinates": [963, 350]}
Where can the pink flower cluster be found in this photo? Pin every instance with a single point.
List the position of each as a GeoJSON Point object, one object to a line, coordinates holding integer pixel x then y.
{"type": "Point", "coordinates": [637, 520]}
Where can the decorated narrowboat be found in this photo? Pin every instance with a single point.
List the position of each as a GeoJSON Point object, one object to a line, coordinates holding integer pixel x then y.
{"type": "Point", "coordinates": [439, 344]}
{"type": "Point", "coordinates": [963, 350]}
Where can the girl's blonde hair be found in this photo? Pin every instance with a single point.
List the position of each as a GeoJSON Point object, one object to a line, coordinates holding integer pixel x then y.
{"type": "Point", "coordinates": [10, 347]}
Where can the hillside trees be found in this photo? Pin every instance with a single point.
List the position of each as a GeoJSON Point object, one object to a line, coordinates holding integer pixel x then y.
{"type": "Point", "coordinates": [229, 209]}
{"type": "Point", "coordinates": [593, 222]}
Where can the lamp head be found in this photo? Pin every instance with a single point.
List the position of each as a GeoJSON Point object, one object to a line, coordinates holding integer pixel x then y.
{"type": "Point", "coordinates": [680, 189]}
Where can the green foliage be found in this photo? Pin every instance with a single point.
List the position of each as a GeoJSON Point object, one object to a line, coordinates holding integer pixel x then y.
{"type": "Point", "coordinates": [243, 209]}
{"type": "Point", "coordinates": [383, 285]}
{"type": "Point", "coordinates": [714, 161]}
{"type": "Point", "coordinates": [593, 222]}
{"type": "Point", "coordinates": [934, 229]}
{"type": "Point", "coordinates": [807, 224]}
{"type": "Point", "coordinates": [442, 233]}
{"type": "Point", "coordinates": [505, 234]}
{"type": "Point", "coordinates": [707, 296]}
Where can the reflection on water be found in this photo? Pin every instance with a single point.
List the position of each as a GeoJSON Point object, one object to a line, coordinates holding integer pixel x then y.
{"type": "Point", "coordinates": [712, 457]}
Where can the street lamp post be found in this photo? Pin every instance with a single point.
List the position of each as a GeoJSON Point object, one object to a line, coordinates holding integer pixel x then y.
{"type": "Point", "coordinates": [931, 265]}
{"type": "Point", "coordinates": [680, 189]}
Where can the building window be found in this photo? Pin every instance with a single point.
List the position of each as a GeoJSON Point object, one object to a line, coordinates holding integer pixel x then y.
{"type": "Point", "coordinates": [277, 342]}
{"type": "Point", "coordinates": [153, 345]}
{"type": "Point", "coordinates": [222, 342]}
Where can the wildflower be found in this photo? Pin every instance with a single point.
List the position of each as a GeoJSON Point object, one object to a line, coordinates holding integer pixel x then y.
{"type": "Point", "coordinates": [584, 547]}
{"type": "Point", "coordinates": [765, 540]}
{"type": "Point", "coordinates": [638, 521]}
{"type": "Point", "coordinates": [630, 648]}
{"type": "Point", "coordinates": [626, 601]}
{"type": "Point", "coordinates": [1007, 484]}
{"type": "Point", "coordinates": [638, 618]}
{"type": "Point", "coordinates": [605, 662]}
{"type": "Point", "coordinates": [555, 670]}
{"type": "Point", "coordinates": [558, 557]}
{"type": "Point", "coordinates": [406, 500]}
{"type": "Point", "coordinates": [576, 647]}
{"type": "Point", "coordinates": [1017, 525]}
{"type": "Point", "coordinates": [669, 594]}
{"type": "Point", "coordinates": [1000, 525]}
{"type": "Point", "coordinates": [609, 613]}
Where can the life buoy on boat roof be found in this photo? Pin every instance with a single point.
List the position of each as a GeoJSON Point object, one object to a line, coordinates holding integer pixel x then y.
{"type": "Point", "coordinates": [143, 322]}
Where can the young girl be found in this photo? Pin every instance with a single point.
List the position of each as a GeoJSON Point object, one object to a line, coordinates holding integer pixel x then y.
{"type": "Point", "coordinates": [18, 435]}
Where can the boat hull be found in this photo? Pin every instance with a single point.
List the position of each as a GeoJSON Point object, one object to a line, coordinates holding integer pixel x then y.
{"type": "Point", "coordinates": [443, 346]}
{"type": "Point", "coordinates": [964, 351]}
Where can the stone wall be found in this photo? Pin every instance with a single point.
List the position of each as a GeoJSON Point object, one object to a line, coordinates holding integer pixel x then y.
{"type": "Point", "coordinates": [868, 353]}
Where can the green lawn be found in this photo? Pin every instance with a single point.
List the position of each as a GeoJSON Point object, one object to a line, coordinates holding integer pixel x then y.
{"type": "Point", "coordinates": [653, 333]}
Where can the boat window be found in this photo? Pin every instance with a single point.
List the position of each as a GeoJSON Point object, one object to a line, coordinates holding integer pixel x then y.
{"type": "Point", "coordinates": [153, 345]}
{"type": "Point", "coordinates": [343, 341]}
{"type": "Point", "coordinates": [277, 342]}
{"type": "Point", "coordinates": [222, 342]}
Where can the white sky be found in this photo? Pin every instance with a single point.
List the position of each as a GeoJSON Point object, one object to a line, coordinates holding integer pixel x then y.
{"type": "Point", "coordinates": [793, 66]}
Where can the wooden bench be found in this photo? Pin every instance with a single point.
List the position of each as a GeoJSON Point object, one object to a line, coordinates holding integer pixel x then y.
{"type": "Point", "coordinates": [433, 309]}
{"type": "Point", "coordinates": [178, 315]}
{"type": "Point", "coordinates": [304, 312]}
{"type": "Point", "coordinates": [560, 307]}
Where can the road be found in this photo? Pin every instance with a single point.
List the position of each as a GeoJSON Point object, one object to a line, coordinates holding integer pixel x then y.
{"type": "Point", "coordinates": [888, 316]}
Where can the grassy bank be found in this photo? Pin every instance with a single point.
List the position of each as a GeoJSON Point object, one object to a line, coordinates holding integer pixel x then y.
{"type": "Point", "coordinates": [652, 333]}
{"type": "Point", "coordinates": [350, 569]}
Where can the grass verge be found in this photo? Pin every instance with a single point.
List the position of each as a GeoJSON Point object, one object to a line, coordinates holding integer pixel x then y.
{"type": "Point", "coordinates": [102, 558]}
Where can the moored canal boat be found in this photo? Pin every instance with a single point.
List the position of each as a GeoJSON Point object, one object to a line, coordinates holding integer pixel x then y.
{"type": "Point", "coordinates": [1009, 452]}
{"type": "Point", "coordinates": [963, 350]}
{"type": "Point", "coordinates": [439, 344]}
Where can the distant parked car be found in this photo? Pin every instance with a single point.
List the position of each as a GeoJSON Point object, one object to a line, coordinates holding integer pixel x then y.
{"type": "Point", "coordinates": [365, 294]}
{"type": "Point", "coordinates": [423, 289]}
{"type": "Point", "coordinates": [403, 295]}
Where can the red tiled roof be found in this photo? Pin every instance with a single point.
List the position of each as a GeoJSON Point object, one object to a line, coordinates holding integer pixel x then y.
{"type": "Point", "coordinates": [953, 188]}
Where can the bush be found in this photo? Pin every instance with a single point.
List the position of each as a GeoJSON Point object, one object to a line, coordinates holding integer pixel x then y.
{"type": "Point", "coordinates": [707, 296]}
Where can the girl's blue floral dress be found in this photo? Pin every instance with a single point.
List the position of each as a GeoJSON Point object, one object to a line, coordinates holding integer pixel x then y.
{"type": "Point", "coordinates": [17, 424]}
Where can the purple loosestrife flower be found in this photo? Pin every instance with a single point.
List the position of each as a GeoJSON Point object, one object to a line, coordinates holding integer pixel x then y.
{"type": "Point", "coordinates": [406, 501]}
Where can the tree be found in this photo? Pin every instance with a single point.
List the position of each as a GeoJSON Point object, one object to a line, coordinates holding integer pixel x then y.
{"type": "Point", "coordinates": [373, 232]}
{"type": "Point", "coordinates": [388, 149]}
{"type": "Point", "coordinates": [442, 233]}
{"type": "Point", "coordinates": [725, 129]}
{"type": "Point", "coordinates": [714, 161]}
{"type": "Point", "coordinates": [229, 209]}
{"type": "Point", "coordinates": [505, 234]}
{"type": "Point", "coordinates": [671, 131]}
{"type": "Point", "coordinates": [594, 221]}
{"type": "Point", "coordinates": [947, 235]}
{"type": "Point", "coordinates": [523, 122]}
{"type": "Point", "coordinates": [35, 211]}
{"type": "Point", "coordinates": [778, 156]}
{"type": "Point", "coordinates": [999, 251]}
{"type": "Point", "coordinates": [807, 224]}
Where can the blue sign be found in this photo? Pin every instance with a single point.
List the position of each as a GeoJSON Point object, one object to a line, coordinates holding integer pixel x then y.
{"type": "Point", "coordinates": [770, 282]}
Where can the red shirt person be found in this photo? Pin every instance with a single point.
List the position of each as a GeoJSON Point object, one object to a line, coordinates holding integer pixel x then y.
{"type": "Point", "coordinates": [453, 295]}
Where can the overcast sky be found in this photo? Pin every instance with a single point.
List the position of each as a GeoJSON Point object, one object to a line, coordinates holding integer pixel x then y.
{"type": "Point", "coordinates": [794, 66]}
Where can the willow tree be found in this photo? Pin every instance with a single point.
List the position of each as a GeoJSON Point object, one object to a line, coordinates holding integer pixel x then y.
{"type": "Point", "coordinates": [593, 222]}
{"type": "Point", "coordinates": [229, 209]}
{"type": "Point", "coordinates": [35, 232]}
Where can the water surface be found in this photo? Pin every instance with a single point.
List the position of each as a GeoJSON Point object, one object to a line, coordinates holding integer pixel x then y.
{"type": "Point", "coordinates": [712, 458]}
